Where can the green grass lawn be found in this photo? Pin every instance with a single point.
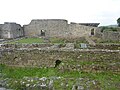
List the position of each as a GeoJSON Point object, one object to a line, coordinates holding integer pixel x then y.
{"type": "Point", "coordinates": [57, 40]}
{"type": "Point", "coordinates": [105, 80]}
{"type": "Point", "coordinates": [51, 40]}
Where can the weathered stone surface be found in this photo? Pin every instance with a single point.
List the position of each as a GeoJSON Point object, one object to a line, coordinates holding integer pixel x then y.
{"type": "Point", "coordinates": [52, 27]}
{"type": "Point", "coordinates": [57, 28]}
{"type": "Point", "coordinates": [34, 45]}
{"type": "Point", "coordinates": [48, 83]}
{"type": "Point", "coordinates": [108, 34]}
{"type": "Point", "coordinates": [70, 59]}
{"type": "Point", "coordinates": [11, 30]}
{"type": "Point", "coordinates": [69, 46]}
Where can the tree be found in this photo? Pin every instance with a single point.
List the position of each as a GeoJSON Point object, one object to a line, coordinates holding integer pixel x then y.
{"type": "Point", "coordinates": [118, 22]}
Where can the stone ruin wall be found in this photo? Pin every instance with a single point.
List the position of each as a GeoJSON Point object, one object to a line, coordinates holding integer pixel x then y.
{"type": "Point", "coordinates": [0, 30]}
{"type": "Point", "coordinates": [67, 46]}
{"type": "Point", "coordinates": [52, 28]}
{"type": "Point", "coordinates": [47, 58]}
{"type": "Point", "coordinates": [17, 31]}
{"type": "Point", "coordinates": [77, 30]}
{"type": "Point", "coordinates": [108, 35]}
{"type": "Point", "coordinates": [57, 28]}
{"type": "Point", "coordinates": [11, 30]}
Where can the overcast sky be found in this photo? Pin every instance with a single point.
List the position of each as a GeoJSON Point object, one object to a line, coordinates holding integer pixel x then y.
{"type": "Point", "coordinates": [105, 12]}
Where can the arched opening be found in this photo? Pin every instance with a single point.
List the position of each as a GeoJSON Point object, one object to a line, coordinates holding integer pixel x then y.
{"type": "Point", "coordinates": [42, 32]}
{"type": "Point", "coordinates": [57, 63]}
{"type": "Point", "coordinates": [92, 31]}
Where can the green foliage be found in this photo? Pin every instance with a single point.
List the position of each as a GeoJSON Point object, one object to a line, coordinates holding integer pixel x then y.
{"type": "Point", "coordinates": [51, 40]}
{"type": "Point", "coordinates": [101, 67]}
{"type": "Point", "coordinates": [108, 28]}
{"type": "Point", "coordinates": [68, 40]}
{"type": "Point", "coordinates": [77, 45]}
{"type": "Point", "coordinates": [118, 22]}
{"type": "Point", "coordinates": [57, 40]}
{"type": "Point", "coordinates": [103, 78]}
{"type": "Point", "coordinates": [2, 66]}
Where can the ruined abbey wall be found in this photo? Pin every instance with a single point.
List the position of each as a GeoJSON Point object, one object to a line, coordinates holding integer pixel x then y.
{"type": "Point", "coordinates": [52, 27]}
{"type": "Point", "coordinates": [47, 28]}
{"type": "Point", "coordinates": [57, 28]}
{"type": "Point", "coordinates": [11, 30]}
{"type": "Point", "coordinates": [77, 30]}
{"type": "Point", "coordinates": [47, 58]}
{"type": "Point", "coordinates": [108, 34]}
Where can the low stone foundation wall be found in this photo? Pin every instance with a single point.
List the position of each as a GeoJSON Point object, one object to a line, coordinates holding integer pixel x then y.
{"type": "Point", "coordinates": [25, 45]}
{"type": "Point", "coordinates": [70, 46]}
{"type": "Point", "coordinates": [108, 46]}
{"type": "Point", "coordinates": [47, 58]}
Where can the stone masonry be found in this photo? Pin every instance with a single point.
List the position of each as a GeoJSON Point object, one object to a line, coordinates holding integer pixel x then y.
{"type": "Point", "coordinates": [58, 28]}
{"type": "Point", "coordinates": [48, 28]}
{"type": "Point", "coordinates": [11, 30]}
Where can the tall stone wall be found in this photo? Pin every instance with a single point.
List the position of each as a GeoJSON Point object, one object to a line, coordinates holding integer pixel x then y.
{"type": "Point", "coordinates": [0, 30]}
{"type": "Point", "coordinates": [1, 26]}
{"type": "Point", "coordinates": [57, 28]}
{"type": "Point", "coordinates": [98, 33]}
{"type": "Point", "coordinates": [51, 27]}
{"type": "Point", "coordinates": [47, 28]}
{"type": "Point", "coordinates": [5, 31]}
{"type": "Point", "coordinates": [16, 31]}
{"type": "Point", "coordinates": [77, 30]}
{"type": "Point", "coordinates": [11, 30]}
{"type": "Point", "coordinates": [108, 34]}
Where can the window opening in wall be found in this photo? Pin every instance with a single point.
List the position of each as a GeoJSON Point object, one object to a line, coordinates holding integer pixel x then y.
{"type": "Point", "coordinates": [42, 32]}
{"type": "Point", "coordinates": [92, 31]}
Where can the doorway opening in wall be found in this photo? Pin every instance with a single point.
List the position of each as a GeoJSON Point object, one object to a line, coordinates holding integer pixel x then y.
{"type": "Point", "coordinates": [92, 31]}
{"type": "Point", "coordinates": [42, 32]}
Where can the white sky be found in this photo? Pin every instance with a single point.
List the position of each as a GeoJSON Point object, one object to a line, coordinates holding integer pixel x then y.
{"type": "Point", "coordinates": [105, 12]}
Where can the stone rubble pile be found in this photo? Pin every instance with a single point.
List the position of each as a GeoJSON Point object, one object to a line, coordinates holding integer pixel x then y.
{"type": "Point", "coordinates": [48, 83]}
